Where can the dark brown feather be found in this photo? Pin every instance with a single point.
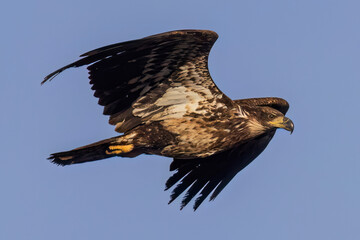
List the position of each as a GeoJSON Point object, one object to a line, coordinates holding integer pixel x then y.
{"type": "Point", "coordinates": [277, 103]}
{"type": "Point", "coordinates": [212, 174]}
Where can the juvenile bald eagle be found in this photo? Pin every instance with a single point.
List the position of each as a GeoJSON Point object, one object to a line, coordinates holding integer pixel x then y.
{"type": "Point", "coordinates": [159, 93]}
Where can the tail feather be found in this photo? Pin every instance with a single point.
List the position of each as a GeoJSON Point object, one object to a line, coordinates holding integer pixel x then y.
{"type": "Point", "coordinates": [116, 146]}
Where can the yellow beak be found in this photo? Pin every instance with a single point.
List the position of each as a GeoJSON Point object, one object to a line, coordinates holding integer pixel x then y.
{"type": "Point", "coordinates": [283, 122]}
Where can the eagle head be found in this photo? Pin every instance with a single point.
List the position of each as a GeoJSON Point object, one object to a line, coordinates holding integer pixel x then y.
{"type": "Point", "coordinates": [265, 118]}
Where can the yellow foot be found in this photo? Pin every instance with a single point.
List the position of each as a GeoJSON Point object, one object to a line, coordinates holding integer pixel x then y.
{"type": "Point", "coordinates": [118, 149]}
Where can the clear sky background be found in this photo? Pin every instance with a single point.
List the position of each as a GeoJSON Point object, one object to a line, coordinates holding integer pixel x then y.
{"type": "Point", "coordinates": [304, 185]}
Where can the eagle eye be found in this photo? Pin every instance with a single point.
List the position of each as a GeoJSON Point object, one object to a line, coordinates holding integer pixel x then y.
{"type": "Point", "coordinates": [272, 116]}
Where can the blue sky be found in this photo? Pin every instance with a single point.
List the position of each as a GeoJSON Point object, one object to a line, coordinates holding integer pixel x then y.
{"type": "Point", "coordinates": [304, 185]}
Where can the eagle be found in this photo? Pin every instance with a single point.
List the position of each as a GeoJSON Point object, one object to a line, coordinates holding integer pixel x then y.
{"type": "Point", "coordinates": [160, 96]}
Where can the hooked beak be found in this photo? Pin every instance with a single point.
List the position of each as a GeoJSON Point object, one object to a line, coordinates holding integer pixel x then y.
{"type": "Point", "coordinates": [283, 122]}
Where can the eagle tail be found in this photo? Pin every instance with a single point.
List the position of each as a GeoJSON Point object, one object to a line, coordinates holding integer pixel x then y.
{"type": "Point", "coordinates": [116, 146]}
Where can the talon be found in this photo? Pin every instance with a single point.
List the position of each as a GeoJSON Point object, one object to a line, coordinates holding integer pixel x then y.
{"type": "Point", "coordinates": [118, 149]}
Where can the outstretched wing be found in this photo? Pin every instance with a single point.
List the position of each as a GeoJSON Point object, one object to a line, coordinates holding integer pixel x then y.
{"type": "Point", "coordinates": [277, 103]}
{"type": "Point", "coordinates": [153, 78]}
{"type": "Point", "coordinates": [213, 173]}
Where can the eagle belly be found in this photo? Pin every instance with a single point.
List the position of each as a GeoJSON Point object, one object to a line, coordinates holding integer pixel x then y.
{"type": "Point", "coordinates": [195, 138]}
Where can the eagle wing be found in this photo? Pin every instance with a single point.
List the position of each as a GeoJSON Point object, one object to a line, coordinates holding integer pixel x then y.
{"type": "Point", "coordinates": [213, 173]}
{"type": "Point", "coordinates": [153, 78]}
